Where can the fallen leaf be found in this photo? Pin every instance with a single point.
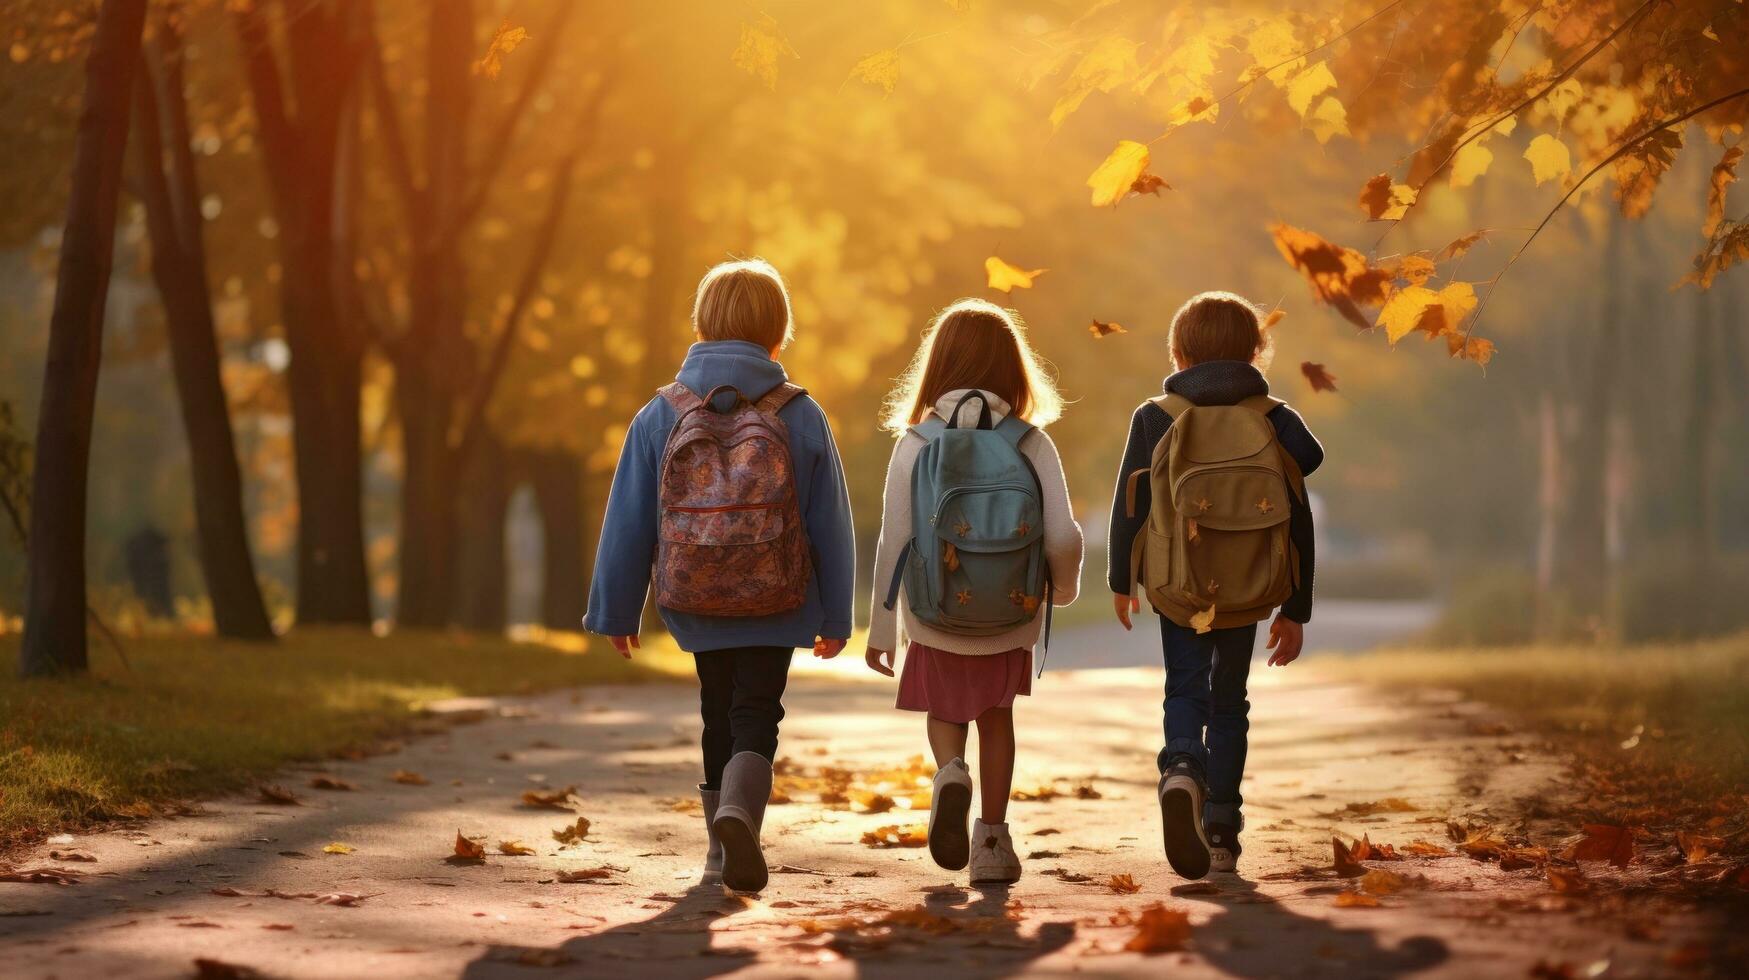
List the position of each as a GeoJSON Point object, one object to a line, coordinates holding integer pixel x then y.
{"type": "Point", "coordinates": [1567, 881]}
{"type": "Point", "coordinates": [468, 850]}
{"type": "Point", "coordinates": [586, 874]}
{"type": "Point", "coordinates": [1390, 804]}
{"type": "Point", "coordinates": [72, 855]}
{"type": "Point", "coordinates": [1603, 842]}
{"type": "Point", "coordinates": [1356, 900]}
{"type": "Point", "coordinates": [343, 899]}
{"type": "Point", "coordinates": [1006, 277]}
{"type": "Point", "coordinates": [1159, 930]}
{"type": "Point", "coordinates": [1695, 848]}
{"type": "Point", "coordinates": [1423, 848]}
{"type": "Point", "coordinates": [892, 835]}
{"type": "Point", "coordinates": [1101, 329]}
{"type": "Point", "coordinates": [1123, 884]}
{"type": "Point", "coordinates": [39, 876]}
{"type": "Point", "coordinates": [572, 832]}
{"type": "Point", "coordinates": [277, 795]}
{"type": "Point", "coordinates": [1347, 859]}
{"type": "Point", "coordinates": [1112, 180]}
{"type": "Point", "coordinates": [1382, 882]}
{"type": "Point", "coordinates": [211, 969]}
{"type": "Point", "coordinates": [1317, 376]}
{"type": "Point", "coordinates": [556, 799]}
{"type": "Point", "coordinates": [409, 778]}
{"type": "Point", "coordinates": [338, 848]}
{"type": "Point", "coordinates": [514, 847]}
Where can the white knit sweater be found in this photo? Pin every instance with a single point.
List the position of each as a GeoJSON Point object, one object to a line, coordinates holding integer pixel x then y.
{"type": "Point", "coordinates": [1062, 540]}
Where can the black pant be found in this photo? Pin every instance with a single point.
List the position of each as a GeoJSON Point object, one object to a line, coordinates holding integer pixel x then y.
{"type": "Point", "coordinates": [740, 694]}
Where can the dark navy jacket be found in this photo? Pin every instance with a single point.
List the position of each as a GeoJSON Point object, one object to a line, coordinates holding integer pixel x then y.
{"type": "Point", "coordinates": [627, 551]}
{"type": "Point", "coordinates": [1212, 383]}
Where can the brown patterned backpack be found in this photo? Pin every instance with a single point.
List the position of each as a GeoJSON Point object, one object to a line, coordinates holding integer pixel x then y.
{"type": "Point", "coordinates": [730, 540]}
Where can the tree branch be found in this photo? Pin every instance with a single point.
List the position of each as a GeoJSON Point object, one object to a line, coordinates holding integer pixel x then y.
{"type": "Point", "coordinates": [388, 116]}
{"type": "Point", "coordinates": [279, 131]}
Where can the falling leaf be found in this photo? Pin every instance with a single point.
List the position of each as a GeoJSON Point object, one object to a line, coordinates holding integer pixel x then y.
{"type": "Point", "coordinates": [1274, 317]}
{"type": "Point", "coordinates": [1549, 158]}
{"type": "Point", "coordinates": [1724, 174]}
{"type": "Point", "coordinates": [1149, 184]}
{"type": "Point", "coordinates": [278, 795]}
{"type": "Point", "coordinates": [1434, 313]}
{"type": "Point", "coordinates": [573, 832]}
{"type": "Point", "coordinates": [1340, 277]}
{"type": "Point", "coordinates": [1123, 884]}
{"type": "Point", "coordinates": [514, 848]}
{"type": "Point", "coordinates": [468, 850]}
{"type": "Point", "coordinates": [1007, 277]}
{"type": "Point", "coordinates": [1100, 329]}
{"type": "Point", "coordinates": [1461, 245]}
{"type": "Point", "coordinates": [586, 874]}
{"type": "Point", "coordinates": [761, 46]}
{"type": "Point", "coordinates": [892, 835]}
{"type": "Point", "coordinates": [330, 782]}
{"type": "Point", "coordinates": [1604, 842]}
{"type": "Point", "coordinates": [1203, 621]}
{"type": "Point", "coordinates": [1112, 179]}
{"type": "Point", "coordinates": [553, 799]}
{"type": "Point", "coordinates": [1159, 930]}
{"type": "Point", "coordinates": [880, 69]}
{"type": "Point", "coordinates": [409, 778]}
{"type": "Point", "coordinates": [1382, 200]}
{"type": "Point", "coordinates": [504, 40]}
{"type": "Point", "coordinates": [1356, 900]}
{"type": "Point", "coordinates": [1316, 376]}
{"type": "Point", "coordinates": [338, 848]}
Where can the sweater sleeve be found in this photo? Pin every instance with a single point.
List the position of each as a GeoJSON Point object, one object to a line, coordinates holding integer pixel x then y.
{"type": "Point", "coordinates": [883, 628]}
{"type": "Point", "coordinates": [1137, 454]}
{"type": "Point", "coordinates": [1064, 542]}
{"type": "Point", "coordinates": [1304, 447]}
{"type": "Point", "coordinates": [831, 534]}
{"type": "Point", "coordinates": [627, 547]}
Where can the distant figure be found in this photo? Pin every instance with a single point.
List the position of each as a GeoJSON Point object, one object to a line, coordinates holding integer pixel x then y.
{"type": "Point", "coordinates": [147, 552]}
{"type": "Point", "coordinates": [978, 528]}
{"type": "Point", "coordinates": [1210, 520]}
{"type": "Point", "coordinates": [731, 497]}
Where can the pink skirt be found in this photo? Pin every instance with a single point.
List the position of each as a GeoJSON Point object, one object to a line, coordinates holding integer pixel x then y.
{"type": "Point", "coordinates": [958, 688]}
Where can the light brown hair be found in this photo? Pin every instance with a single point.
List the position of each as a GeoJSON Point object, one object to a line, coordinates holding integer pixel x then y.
{"type": "Point", "coordinates": [1218, 326]}
{"type": "Point", "coordinates": [974, 343]}
{"type": "Point", "coordinates": [743, 300]}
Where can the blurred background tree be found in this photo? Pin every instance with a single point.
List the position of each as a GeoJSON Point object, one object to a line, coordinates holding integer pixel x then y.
{"type": "Point", "coordinates": [449, 250]}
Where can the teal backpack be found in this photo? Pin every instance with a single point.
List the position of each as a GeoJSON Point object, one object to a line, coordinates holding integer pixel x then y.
{"type": "Point", "coordinates": [975, 563]}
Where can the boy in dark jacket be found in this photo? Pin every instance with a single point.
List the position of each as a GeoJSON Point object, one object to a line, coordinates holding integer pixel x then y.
{"type": "Point", "coordinates": [1216, 343]}
{"type": "Point", "coordinates": [742, 320]}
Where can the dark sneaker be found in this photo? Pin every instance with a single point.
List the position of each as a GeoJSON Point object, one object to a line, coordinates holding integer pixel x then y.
{"type": "Point", "coordinates": [1181, 795]}
{"type": "Point", "coordinates": [950, 802]}
{"type": "Point", "coordinates": [1224, 849]}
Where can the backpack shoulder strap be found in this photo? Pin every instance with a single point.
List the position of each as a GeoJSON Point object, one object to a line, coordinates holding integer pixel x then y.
{"type": "Point", "coordinates": [679, 396]}
{"type": "Point", "coordinates": [1013, 430]}
{"type": "Point", "coordinates": [929, 428]}
{"type": "Point", "coordinates": [1262, 404]}
{"type": "Point", "coordinates": [774, 400]}
{"type": "Point", "coordinates": [1172, 404]}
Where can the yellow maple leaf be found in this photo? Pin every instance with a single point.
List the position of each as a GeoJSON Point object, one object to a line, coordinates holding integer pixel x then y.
{"type": "Point", "coordinates": [1203, 621]}
{"type": "Point", "coordinates": [1415, 269]}
{"type": "Point", "coordinates": [760, 48]}
{"type": "Point", "coordinates": [1549, 159]}
{"type": "Point", "coordinates": [514, 847]}
{"type": "Point", "coordinates": [1307, 85]}
{"type": "Point", "coordinates": [1385, 201]}
{"type": "Point", "coordinates": [338, 848]}
{"type": "Point", "coordinates": [1112, 179]}
{"type": "Point", "coordinates": [1470, 163]}
{"type": "Point", "coordinates": [1006, 277]}
{"type": "Point", "coordinates": [1329, 119]}
{"type": "Point", "coordinates": [504, 40]}
{"type": "Point", "coordinates": [880, 68]}
{"type": "Point", "coordinates": [1420, 308]}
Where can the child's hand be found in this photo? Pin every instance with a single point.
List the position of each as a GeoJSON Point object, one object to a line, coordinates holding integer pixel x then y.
{"type": "Point", "coordinates": [624, 644]}
{"type": "Point", "coordinates": [880, 661]}
{"type": "Point", "coordinates": [1125, 605]}
{"type": "Point", "coordinates": [1285, 638]}
{"type": "Point", "coordinates": [827, 649]}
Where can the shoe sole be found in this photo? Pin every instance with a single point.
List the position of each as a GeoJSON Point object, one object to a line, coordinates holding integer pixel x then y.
{"type": "Point", "coordinates": [1187, 850]}
{"type": "Point", "coordinates": [950, 842]}
{"type": "Point", "coordinates": [996, 881]}
{"type": "Point", "coordinates": [744, 867]}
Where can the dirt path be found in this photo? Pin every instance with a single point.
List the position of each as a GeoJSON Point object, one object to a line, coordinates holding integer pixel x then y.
{"type": "Point", "coordinates": [1320, 752]}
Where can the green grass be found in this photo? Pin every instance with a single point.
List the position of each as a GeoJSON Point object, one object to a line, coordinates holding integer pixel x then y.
{"type": "Point", "coordinates": [1686, 703]}
{"type": "Point", "coordinates": [196, 715]}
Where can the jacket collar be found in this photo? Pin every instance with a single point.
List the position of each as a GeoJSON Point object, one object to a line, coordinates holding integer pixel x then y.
{"type": "Point", "coordinates": [999, 408]}
{"type": "Point", "coordinates": [1217, 383]}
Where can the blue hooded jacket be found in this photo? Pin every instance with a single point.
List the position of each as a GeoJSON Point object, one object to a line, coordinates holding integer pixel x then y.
{"type": "Point", "coordinates": [627, 550]}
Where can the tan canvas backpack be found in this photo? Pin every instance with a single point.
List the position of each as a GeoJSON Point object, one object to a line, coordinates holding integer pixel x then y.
{"type": "Point", "coordinates": [1215, 552]}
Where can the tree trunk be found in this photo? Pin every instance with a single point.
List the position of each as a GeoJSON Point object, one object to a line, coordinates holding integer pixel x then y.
{"type": "Point", "coordinates": [300, 143]}
{"type": "Point", "coordinates": [557, 478]}
{"type": "Point", "coordinates": [482, 574]}
{"type": "Point", "coordinates": [1694, 476]}
{"type": "Point", "coordinates": [55, 605]}
{"type": "Point", "coordinates": [168, 187]}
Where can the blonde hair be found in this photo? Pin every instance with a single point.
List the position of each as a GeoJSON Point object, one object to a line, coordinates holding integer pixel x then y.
{"type": "Point", "coordinates": [745, 299]}
{"type": "Point", "coordinates": [1219, 326]}
{"type": "Point", "coordinates": [974, 343]}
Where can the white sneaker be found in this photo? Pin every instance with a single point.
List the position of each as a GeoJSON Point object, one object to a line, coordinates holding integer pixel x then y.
{"type": "Point", "coordinates": [950, 802]}
{"type": "Point", "coordinates": [993, 857]}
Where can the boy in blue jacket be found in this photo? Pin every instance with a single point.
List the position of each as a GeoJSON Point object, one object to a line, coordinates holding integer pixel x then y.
{"type": "Point", "coordinates": [741, 316]}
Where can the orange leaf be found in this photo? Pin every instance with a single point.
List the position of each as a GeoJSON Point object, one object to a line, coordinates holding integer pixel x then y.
{"type": "Point", "coordinates": [1340, 277]}
{"type": "Point", "coordinates": [1006, 277]}
{"type": "Point", "coordinates": [1100, 329]}
{"type": "Point", "coordinates": [1356, 900]}
{"type": "Point", "coordinates": [1461, 245]}
{"type": "Point", "coordinates": [1316, 376]}
{"type": "Point", "coordinates": [1348, 858]}
{"type": "Point", "coordinates": [1149, 184]}
{"type": "Point", "coordinates": [409, 778]}
{"type": "Point", "coordinates": [1274, 317]}
{"type": "Point", "coordinates": [1724, 174]}
{"type": "Point", "coordinates": [1123, 884]}
{"type": "Point", "coordinates": [1159, 930]}
{"type": "Point", "coordinates": [468, 850]}
{"type": "Point", "coordinates": [1383, 200]}
{"type": "Point", "coordinates": [1604, 842]}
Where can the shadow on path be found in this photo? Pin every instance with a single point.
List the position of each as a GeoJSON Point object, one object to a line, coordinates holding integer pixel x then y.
{"type": "Point", "coordinates": [1257, 935]}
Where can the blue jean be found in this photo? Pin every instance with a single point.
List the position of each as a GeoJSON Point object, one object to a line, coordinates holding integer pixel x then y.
{"type": "Point", "coordinates": [1205, 689]}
